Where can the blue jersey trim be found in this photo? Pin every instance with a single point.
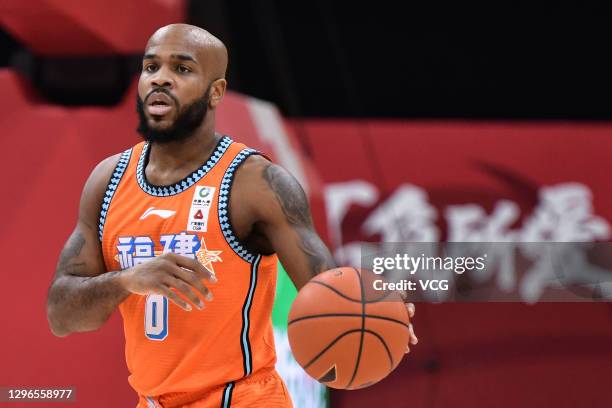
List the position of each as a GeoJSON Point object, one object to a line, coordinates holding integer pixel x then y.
{"type": "Point", "coordinates": [245, 344]}
{"type": "Point", "coordinates": [113, 183]}
{"type": "Point", "coordinates": [226, 399]}
{"type": "Point", "coordinates": [184, 184]}
{"type": "Point", "coordinates": [223, 207]}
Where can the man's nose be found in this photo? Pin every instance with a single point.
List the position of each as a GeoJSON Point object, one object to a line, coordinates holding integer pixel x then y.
{"type": "Point", "coordinates": [162, 78]}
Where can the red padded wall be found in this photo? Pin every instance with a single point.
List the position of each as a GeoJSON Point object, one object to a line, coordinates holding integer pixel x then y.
{"type": "Point", "coordinates": [63, 27]}
{"type": "Point", "coordinates": [480, 354]}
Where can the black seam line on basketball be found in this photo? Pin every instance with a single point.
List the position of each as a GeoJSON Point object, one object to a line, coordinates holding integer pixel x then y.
{"type": "Point", "coordinates": [380, 299]}
{"type": "Point", "coordinates": [384, 343]}
{"type": "Point", "coordinates": [362, 329]}
{"type": "Point", "coordinates": [347, 315]}
{"type": "Point", "coordinates": [330, 345]}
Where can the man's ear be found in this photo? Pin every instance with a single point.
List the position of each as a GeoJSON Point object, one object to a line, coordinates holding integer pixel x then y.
{"type": "Point", "coordinates": [217, 90]}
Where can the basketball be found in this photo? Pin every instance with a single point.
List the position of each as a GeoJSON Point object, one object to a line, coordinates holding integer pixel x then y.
{"type": "Point", "coordinates": [342, 334]}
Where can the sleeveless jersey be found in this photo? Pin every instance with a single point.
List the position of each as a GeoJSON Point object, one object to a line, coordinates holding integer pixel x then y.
{"type": "Point", "coordinates": [169, 350]}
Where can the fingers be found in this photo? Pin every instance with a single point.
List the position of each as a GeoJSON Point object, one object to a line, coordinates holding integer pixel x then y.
{"type": "Point", "coordinates": [413, 338]}
{"type": "Point", "coordinates": [186, 291]}
{"type": "Point", "coordinates": [404, 295]}
{"type": "Point", "coordinates": [185, 275]}
{"type": "Point", "coordinates": [176, 299]}
{"type": "Point", "coordinates": [193, 280]}
{"type": "Point", "coordinates": [411, 309]}
{"type": "Point", "coordinates": [193, 265]}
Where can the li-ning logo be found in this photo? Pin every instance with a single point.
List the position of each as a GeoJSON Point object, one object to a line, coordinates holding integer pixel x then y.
{"type": "Point", "coordinates": [160, 213]}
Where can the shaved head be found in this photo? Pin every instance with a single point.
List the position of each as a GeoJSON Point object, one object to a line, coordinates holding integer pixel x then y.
{"type": "Point", "coordinates": [181, 83]}
{"type": "Point", "coordinates": [209, 48]}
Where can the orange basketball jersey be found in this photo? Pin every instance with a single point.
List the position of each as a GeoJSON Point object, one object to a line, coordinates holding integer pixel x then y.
{"type": "Point", "coordinates": [170, 351]}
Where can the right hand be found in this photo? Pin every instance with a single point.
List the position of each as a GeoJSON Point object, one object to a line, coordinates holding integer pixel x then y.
{"type": "Point", "coordinates": [167, 271]}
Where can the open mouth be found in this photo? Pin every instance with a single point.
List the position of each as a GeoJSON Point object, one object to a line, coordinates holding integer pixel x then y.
{"type": "Point", "coordinates": [159, 104]}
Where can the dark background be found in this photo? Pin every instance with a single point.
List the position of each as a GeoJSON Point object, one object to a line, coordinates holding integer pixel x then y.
{"type": "Point", "coordinates": [382, 59]}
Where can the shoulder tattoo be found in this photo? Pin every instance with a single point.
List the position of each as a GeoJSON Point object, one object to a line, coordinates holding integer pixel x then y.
{"type": "Point", "coordinates": [290, 195]}
{"type": "Point", "coordinates": [294, 204]}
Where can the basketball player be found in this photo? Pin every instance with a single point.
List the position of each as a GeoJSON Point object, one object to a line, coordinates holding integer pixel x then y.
{"type": "Point", "coordinates": [187, 215]}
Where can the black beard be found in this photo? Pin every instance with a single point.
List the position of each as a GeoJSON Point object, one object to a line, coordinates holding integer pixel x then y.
{"type": "Point", "coordinates": [187, 121]}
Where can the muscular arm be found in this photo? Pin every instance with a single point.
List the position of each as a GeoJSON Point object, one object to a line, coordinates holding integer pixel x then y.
{"type": "Point", "coordinates": [83, 295]}
{"type": "Point", "coordinates": [273, 202]}
{"type": "Point", "coordinates": [276, 202]}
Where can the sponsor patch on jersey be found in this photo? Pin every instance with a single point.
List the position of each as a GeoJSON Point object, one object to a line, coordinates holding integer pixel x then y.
{"type": "Point", "coordinates": [200, 207]}
{"type": "Point", "coordinates": [155, 211]}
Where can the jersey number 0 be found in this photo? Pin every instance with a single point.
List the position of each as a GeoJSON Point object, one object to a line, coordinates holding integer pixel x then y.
{"type": "Point", "coordinates": [156, 317]}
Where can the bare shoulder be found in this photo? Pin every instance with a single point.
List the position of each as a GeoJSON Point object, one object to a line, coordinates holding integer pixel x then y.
{"type": "Point", "coordinates": [268, 186]}
{"type": "Point", "coordinates": [252, 167]}
{"type": "Point", "coordinates": [248, 182]}
{"type": "Point", "coordinates": [103, 170]}
{"type": "Point", "coordinates": [258, 173]}
{"type": "Point", "coordinates": [95, 188]}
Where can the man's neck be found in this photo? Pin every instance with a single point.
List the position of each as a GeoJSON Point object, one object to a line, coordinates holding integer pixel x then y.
{"type": "Point", "coordinates": [171, 162]}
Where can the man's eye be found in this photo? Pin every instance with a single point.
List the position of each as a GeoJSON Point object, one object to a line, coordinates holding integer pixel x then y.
{"type": "Point", "coordinates": [150, 68]}
{"type": "Point", "coordinates": [183, 69]}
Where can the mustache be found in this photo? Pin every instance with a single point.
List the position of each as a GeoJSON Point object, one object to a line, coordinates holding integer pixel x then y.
{"type": "Point", "coordinates": [163, 90]}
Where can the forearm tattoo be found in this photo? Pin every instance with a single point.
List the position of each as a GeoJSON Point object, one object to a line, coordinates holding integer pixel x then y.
{"type": "Point", "coordinates": [73, 248]}
{"type": "Point", "coordinates": [294, 204]}
{"type": "Point", "coordinates": [77, 295]}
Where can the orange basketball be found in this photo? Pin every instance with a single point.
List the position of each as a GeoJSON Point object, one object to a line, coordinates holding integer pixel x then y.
{"type": "Point", "coordinates": [342, 334]}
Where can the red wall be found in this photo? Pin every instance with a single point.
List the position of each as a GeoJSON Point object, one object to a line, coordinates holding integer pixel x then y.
{"type": "Point", "coordinates": [48, 154]}
{"type": "Point", "coordinates": [69, 27]}
{"type": "Point", "coordinates": [493, 354]}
